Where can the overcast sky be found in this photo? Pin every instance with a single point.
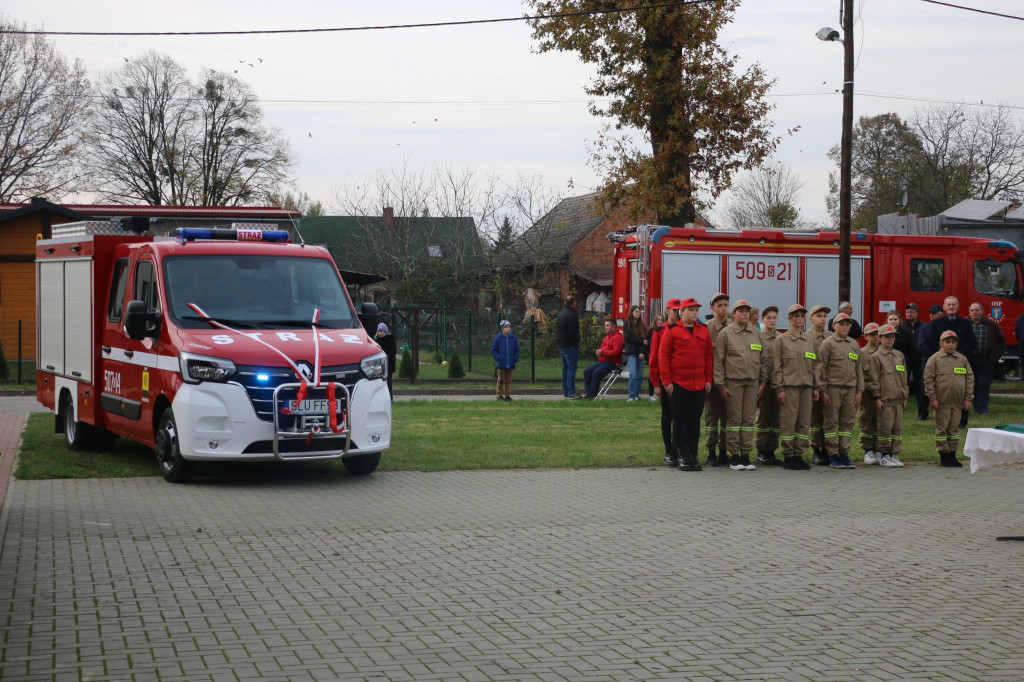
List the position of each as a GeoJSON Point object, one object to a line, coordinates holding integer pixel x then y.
{"type": "Point", "coordinates": [477, 96]}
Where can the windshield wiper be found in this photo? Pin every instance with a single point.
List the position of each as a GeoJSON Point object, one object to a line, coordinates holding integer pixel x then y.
{"type": "Point", "coordinates": [296, 323]}
{"type": "Point", "coordinates": [223, 320]}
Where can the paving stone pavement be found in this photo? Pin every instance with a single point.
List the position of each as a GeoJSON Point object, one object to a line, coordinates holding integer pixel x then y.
{"type": "Point", "coordinates": [630, 574]}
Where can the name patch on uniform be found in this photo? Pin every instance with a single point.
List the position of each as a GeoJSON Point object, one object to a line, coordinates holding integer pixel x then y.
{"type": "Point", "coordinates": [755, 346]}
{"type": "Point", "coordinates": [853, 356]}
{"type": "Point", "coordinates": [959, 370]}
{"type": "Point", "coordinates": [810, 356]}
{"type": "Point", "coordinates": [901, 368]}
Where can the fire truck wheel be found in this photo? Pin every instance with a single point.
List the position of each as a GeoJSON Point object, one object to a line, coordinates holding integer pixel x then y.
{"type": "Point", "coordinates": [77, 435]}
{"type": "Point", "coordinates": [362, 465]}
{"type": "Point", "coordinates": [174, 467]}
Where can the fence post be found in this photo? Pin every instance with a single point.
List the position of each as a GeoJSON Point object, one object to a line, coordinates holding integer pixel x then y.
{"type": "Point", "coordinates": [533, 350]}
{"type": "Point", "coordinates": [415, 344]}
{"type": "Point", "coordinates": [469, 339]}
{"type": "Point", "coordinates": [19, 352]}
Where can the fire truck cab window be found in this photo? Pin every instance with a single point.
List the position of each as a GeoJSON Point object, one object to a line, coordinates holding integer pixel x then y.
{"type": "Point", "coordinates": [927, 274]}
{"type": "Point", "coordinates": [145, 285]}
{"type": "Point", "coordinates": [995, 278]}
{"type": "Point", "coordinates": [118, 282]}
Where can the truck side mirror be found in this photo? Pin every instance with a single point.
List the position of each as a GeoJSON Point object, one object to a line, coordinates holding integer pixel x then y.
{"type": "Point", "coordinates": [369, 317]}
{"type": "Point", "coordinates": [140, 322]}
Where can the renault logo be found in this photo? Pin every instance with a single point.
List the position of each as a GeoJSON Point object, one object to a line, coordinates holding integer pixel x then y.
{"type": "Point", "coordinates": [305, 369]}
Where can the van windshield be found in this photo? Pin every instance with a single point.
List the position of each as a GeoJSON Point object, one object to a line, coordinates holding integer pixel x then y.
{"type": "Point", "coordinates": [996, 278]}
{"type": "Point", "coordinates": [256, 292]}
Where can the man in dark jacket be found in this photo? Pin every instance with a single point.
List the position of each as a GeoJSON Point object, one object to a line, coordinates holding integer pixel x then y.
{"type": "Point", "coordinates": [988, 350]}
{"type": "Point", "coordinates": [927, 346]}
{"type": "Point", "coordinates": [910, 330]}
{"type": "Point", "coordinates": [567, 336]}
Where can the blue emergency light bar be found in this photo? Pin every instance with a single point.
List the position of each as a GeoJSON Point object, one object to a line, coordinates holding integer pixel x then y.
{"type": "Point", "coordinates": [193, 233]}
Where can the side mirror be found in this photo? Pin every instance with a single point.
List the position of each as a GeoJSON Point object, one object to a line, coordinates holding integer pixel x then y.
{"type": "Point", "coordinates": [369, 317]}
{"type": "Point", "coordinates": [140, 323]}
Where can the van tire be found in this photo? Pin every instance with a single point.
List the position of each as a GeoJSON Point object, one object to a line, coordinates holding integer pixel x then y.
{"type": "Point", "coordinates": [77, 435]}
{"type": "Point", "coordinates": [174, 467]}
{"type": "Point", "coordinates": [362, 465]}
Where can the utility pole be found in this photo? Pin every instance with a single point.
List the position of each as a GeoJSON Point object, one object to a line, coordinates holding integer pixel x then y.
{"type": "Point", "coordinates": [846, 155]}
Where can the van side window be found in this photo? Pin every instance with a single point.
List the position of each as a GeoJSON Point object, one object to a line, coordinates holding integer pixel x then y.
{"type": "Point", "coordinates": [145, 285]}
{"type": "Point", "coordinates": [995, 278]}
{"type": "Point", "coordinates": [927, 274]}
{"type": "Point", "coordinates": [118, 281]}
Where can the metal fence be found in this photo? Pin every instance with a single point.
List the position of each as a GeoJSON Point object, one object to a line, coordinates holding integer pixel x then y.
{"type": "Point", "coordinates": [17, 353]}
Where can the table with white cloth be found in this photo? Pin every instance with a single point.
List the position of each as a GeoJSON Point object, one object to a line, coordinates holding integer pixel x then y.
{"type": "Point", "coordinates": [992, 447]}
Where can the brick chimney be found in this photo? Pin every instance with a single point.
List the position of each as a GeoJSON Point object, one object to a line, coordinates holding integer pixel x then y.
{"type": "Point", "coordinates": [389, 217]}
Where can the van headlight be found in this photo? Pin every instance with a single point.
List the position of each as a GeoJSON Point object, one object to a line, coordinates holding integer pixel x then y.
{"type": "Point", "coordinates": [374, 366]}
{"type": "Point", "coordinates": [198, 368]}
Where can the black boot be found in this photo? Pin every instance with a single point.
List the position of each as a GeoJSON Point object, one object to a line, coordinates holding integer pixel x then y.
{"type": "Point", "coordinates": [712, 460]}
{"type": "Point", "coordinates": [685, 462]}
{"type": "Point", "coordinates": [671, 457]}
{"type": "Point", "coordinates": [944, 459]}
{"type": "Point", "coordinates": [820, 457]}
{"type": "Point", "coordinates": [694, 462]}
{"type": "Point", "coordinates": [767, 458]}
{"type": "Point", "coordinates": [793, 463]}
{"type": "Point", "coordinates": [953, 461]}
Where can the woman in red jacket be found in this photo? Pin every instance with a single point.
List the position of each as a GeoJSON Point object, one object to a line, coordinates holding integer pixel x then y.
{"type": "Point", "coordinates": [685, 372]}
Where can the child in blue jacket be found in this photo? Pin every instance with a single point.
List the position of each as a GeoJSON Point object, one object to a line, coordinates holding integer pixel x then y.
{"type": "Point", "coordinates": [505, 350]}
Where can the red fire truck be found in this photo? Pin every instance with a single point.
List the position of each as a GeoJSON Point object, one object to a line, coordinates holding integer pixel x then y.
{"type": "Point", "coordinates": [654, 263]}
{"type": "Point", "coordinates": [215, 344]}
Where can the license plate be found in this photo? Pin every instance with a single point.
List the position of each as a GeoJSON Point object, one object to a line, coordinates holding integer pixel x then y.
{"type": "Point", "coordinates": [313, 406]}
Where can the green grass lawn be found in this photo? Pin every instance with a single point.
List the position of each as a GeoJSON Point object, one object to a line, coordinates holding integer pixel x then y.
{"type": "Point", "coordinates": [443, 435]}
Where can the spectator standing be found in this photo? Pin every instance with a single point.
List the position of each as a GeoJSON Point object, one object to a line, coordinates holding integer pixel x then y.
{"type": "Point", "coordinates": [755, 317]}
{"type": "Point", "coordinates": [768, 404]}
{"type": "Point", "coordinates": [657, 334]}
{"type": "Point", "coordinates": [842, 380]}
{"type": "Point", "coordinates": [386, 341]}
{"type": "Point", "coordinates": [635, 349]}
{"type": "Point", "coordinates": [910, 329]}
{"type": "Point", "coordinates": [740, 372]}
{"type": "Point", "coordinates": [609, 355]}
{"type": "Point", "coordinates": [685, 372]}
{"type": "Point", "coordinates": [867, 416]}
{"type": "Point", "coordinates": [855, 329]}
{"type": "Point", "coordinates": [657, 323]}
{"type": "Point", "coordinates": [990, 343]}
{"type": "Point", "coordinates": [505, 351]}
{"type": "Point", "coordinates": [818, 334]}
{"type": "Point", "coordinates": [927, 346]}
{"type": "Point", "coordinates": [714, 415]}
{"type": "Point", "coordinates": [886, 386]}
{"type": "Point", "coordinates": [1018, 329]}
{"type": "Point", "coordinates": [795, 379]}
{"type": "Point", "coordinates": [567, 337]}
{"type": "Point", "coordinates": [949, 383]}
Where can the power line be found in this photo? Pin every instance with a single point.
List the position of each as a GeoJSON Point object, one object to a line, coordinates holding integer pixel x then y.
{"type": "Point", "coordinates": [974, 9]}
{"type": "Point", "coordinates": [436, 24]}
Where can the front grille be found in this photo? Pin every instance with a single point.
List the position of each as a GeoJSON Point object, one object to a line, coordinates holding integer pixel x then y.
{"type": "Point", "coordinates": [261, 393]}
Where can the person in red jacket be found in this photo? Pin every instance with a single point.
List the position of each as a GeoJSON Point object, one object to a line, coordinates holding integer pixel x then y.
{"type": "Point", "coordinates": [686, 370]}
{"type": "Point", "coordinates": [657, 333]}
{"type": "Point", "coordinates": [609, 355]}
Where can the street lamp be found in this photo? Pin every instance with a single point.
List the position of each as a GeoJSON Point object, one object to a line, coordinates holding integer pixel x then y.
{"type": "Point", "coordinates": [846, 145]}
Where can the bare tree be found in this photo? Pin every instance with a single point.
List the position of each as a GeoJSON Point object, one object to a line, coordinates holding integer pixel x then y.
{"type": "Point", "coordinates": [238, 159]}
{"type": "Point", "coordinates": [43, 100]}
{"type": "Point", "coordinates": [992, 143]}
{"type": "Point", "coordinates": [766, 197]}
{"type": "Point", "coordinates": [143, 132]}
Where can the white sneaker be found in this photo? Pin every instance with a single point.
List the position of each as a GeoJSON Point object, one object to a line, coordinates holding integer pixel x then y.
{"type": "Point", "coordinates": [894, 461]}
{"type": "Point", "coordinates": [872, 457]}
{"type": "Point", "coordinates": [886, 461]}
{"type": "Point", "coordinates": [653, 398]}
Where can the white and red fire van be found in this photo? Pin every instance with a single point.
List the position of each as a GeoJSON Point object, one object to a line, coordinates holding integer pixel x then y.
{"type": "Point", "coordinates": [216, 344]}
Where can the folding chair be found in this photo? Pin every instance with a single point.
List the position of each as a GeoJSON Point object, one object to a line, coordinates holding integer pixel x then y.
{"type": "Point", "coordinates": [620, 370]}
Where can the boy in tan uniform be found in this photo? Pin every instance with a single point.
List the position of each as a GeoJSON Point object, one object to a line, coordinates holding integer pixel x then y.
{"type": "Point", "coordinates": [867, 415]}
{"type": "Point", "coordinates": [741, 370]}
{"type": "Point", "coordinates": [842, 378]}
{"type": "Point", "coordinates": [949, 385]}
{"type": "Point", "coordinates": [795, 380]}
{"type": "Point", "coordinates": [714, 406]}
{"type": "Point", "coordinates": [768, 404]}
{"type": "Point", "coordinates": [818, 317]}
{"type": "Point", "coordinates": [886, 386]}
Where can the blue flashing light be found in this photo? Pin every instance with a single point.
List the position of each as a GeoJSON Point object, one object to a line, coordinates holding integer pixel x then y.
{"type": "Point", "coordinates": [193, 233]}
{"type": "Point", "coordinates": [658, 234]}
{"type": "Point", "coordinates": [263, 378]}
{"type": "Point", "coordinates": [1001, 245]}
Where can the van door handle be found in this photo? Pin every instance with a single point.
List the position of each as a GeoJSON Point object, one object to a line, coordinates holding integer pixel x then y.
{"type": "Point", "coordinates": [105, 349]}
{"type": "Point", "coordinates": [129, 353]}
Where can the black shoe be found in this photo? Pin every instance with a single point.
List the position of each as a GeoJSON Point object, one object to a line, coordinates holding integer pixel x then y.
{"type": "Point", "coordinates": [684, 463]}
{"type": "Point", "coordinates": [736, 464]}
{"type": "Point", "coordinates": [694, 462]}
{"type": "Point", "coordinates": [769, 459]}
{"type": "Point", "coordinates": [501, 397]}
{"type": "Point", "coordinates": [671, 459]}
{"type": "Point", "coordinates": [712, 460]}
{"type": "Point", "coordinates": [820, 457]}
{"type": "Point", "coordinates": [922, 417]}
{"type": "Point", "coordinates": [953, 461]}
{"type": "Point", "coordinates": [803, 465]}
{"type": "Point", "coordinates": [793, 463]}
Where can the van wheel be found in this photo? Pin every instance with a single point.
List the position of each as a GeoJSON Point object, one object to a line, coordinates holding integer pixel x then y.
{"type": "Point", "coordinates": [174, 467]}
{"type": "Point", "coordinates": [362, 465]}
{"type": "Point", "coordinates": [77, 435]}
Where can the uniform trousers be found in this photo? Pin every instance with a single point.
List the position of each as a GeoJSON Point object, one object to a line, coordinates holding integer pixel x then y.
{"type": "Point", "coordinates": [795, 420]}
{"type": "Point", "coordinates": [714, 420]}
{"type": "Point", "coordinates": [687, 407]}
{"type": "Point", "coordinates": [817, 427]}
{"type": "Point", "coordinates": [867, 420]}
{"type": "Point", "coordinates": [947, 429]}
{"type": "Point", "coordinates": [839, 419]}
{"type": "Point", "coordinates": [890, 428]}
{"type": "Point", "coordinates": [740, 411]}
{"type": "Point", "coordinates": [768, 421]}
